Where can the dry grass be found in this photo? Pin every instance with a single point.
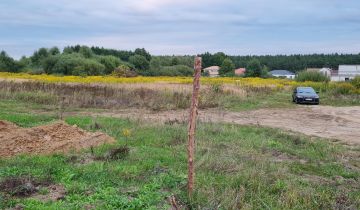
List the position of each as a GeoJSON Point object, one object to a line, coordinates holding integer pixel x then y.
{"type": "Point", "coordinates": [155, 96]}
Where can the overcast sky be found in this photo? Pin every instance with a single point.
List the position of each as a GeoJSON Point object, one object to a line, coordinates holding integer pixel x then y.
{"type": "Point", "coordinates": [183, 26]}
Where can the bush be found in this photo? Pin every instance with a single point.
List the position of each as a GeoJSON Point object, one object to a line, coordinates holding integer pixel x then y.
{"type": "Point", "coordinates": [76, 64]}
{"type": "Point", "coordinates": [88, 67]}
{"type": "Point", "coordinates": [139, 62]}
{"type": "Point", "coordinates": [123, 71]}
{"type": "Point", "coordinates": [110, 62]}
{"type": "Point", "coordinates": [343, 88]}
{"type": "Point", "coordinates": [356, 82]}
{"type": "Point", "coordinates": [311, 76]}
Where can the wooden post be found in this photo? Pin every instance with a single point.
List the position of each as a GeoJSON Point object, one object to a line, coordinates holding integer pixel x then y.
{"type": "Point", "coordinates": [192, 125]}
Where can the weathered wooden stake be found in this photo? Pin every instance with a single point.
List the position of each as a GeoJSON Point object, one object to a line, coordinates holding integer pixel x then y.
{"type": "Point", "coordinates": [192, 125]}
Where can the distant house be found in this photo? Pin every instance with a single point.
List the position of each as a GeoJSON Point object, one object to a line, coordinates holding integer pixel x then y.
{"type": "Point", "coordinates": [240, 71]}
{"type": "Point", "coordinates": [212, 71]}
{"type": "Point", "coordinates": [325, 71]}
{"type": "Point", "coordinates": [283, 73]}
{"type": "Point", "coordinates": [345, 73]}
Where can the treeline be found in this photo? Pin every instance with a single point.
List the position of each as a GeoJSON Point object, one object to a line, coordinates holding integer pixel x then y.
{"type": "Point", "coordinates": [83, 60]}
{"type": "Point", "coordinates": [285, 62]}
{"type": "Point", "coordinates": [87, 61]}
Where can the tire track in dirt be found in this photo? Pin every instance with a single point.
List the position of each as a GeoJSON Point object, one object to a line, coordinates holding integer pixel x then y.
{"type": "Point", "coordinates": [341, 123]}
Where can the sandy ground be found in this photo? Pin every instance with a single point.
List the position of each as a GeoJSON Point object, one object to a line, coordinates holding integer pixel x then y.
{"type": "Point", "coordinates": [341, 123]}
{"type": "Point", "coordinates": [54, 138]}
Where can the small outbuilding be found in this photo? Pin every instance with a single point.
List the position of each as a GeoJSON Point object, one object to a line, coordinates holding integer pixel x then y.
{"type": "Point", "coordinates": [240, 71]}
{"type": "Point", "coordinates": [283, 74]}
{"type": "Point", "coordinates": [212, 71]}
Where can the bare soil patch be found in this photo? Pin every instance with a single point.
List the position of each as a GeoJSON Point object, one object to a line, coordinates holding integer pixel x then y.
{"type": "Point", "coordinates": [340, 123]}
{"type": "Point", "coordinates": [58, 137]}
{"type": "Point", "coordinates": [23, 187]}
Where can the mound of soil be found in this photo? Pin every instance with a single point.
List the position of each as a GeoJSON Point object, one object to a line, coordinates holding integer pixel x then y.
{"type": "Point", "coordinates": [55, 138]}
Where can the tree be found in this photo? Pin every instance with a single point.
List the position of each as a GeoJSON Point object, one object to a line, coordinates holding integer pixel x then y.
{"type": "Point", "coordinates": [139, 62]}
{"type": "Point", "coordinates": [49, 63]}
{"type": "Point", "coordinates": [110, 62]}
{"type": "Point", "coordinates": [155, 64]}
{"type": "Point", "coordinates": [174, 61]}
{"type": "Point", "coordinates": [206, 59]}
{"type": "Point", "coordinates": [227, 67]}
{"type": "Point", "coordinates": [39, 55]}
{"type": "Point", "coordinates": [143, 52]}
{"type": "Point", "coordinates": [88, 67]}
{"type": "Point", "coordinates": [218, 58]}
{"type": "Point", "coordinates": [68, 50]}
{"type": "Point", "coordinates": [7, 63]}
{"type": "Point", "coordinates": [54, 51]}
{"type": "Point", "coordinates": [86, 51]}
{"type": "Point", "coordinates": [253, 69]}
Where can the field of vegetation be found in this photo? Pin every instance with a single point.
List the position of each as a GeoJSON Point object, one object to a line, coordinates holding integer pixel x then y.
{"type": "Point", "coordinates": [237, 167]}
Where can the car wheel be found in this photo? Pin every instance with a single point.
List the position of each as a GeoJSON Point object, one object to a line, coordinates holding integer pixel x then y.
{"type": "Point", "coordinates": [296, 101]}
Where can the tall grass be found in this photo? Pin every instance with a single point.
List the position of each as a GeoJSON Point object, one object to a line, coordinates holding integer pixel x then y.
{"type": "Point", "coordinates": [311, 76]}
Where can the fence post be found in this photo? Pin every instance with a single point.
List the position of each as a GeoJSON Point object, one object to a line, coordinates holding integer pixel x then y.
{"type": "Point", "coordinates": [192, 125]}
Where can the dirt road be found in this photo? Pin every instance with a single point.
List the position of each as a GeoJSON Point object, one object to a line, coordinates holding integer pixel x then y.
{"type": "Point", "coordinates": [342, 123]}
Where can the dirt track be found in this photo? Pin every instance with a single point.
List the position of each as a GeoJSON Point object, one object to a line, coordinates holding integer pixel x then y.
{"type": "Point", "coordinates": [342, 123]}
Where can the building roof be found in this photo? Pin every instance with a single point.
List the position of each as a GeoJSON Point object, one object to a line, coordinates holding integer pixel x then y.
{"type": "Point", "coordinates": [240, 71]}
{"type": "Point", "coordinates": [281, 72]}
{"type": "Point", "coordinates": [212, 68]}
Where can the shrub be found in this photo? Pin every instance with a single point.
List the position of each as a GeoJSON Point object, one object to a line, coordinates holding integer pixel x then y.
{"type": "Point", "coordinates": [88, 67]}
{"type": "Point", "coordinates": [311, 76]}
{"type": "Point", "coordinates": [76, 64]}
{"type": "Point", "coordinates": [110, 62]}
{"type": "Point", "coordinates": [343, 88]}
{"type": "Point", "coordinates": [124, 71]}
{"type": "Point", "coordinates": [356, 82]}
{"type": "Point", "coordinates": [178, 70]}
{"type": "Point", "coordinates": [139, 62]}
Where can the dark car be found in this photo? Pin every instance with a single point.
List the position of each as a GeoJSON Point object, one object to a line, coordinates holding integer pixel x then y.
{"type": "Point", "coordinates": [305, 95]}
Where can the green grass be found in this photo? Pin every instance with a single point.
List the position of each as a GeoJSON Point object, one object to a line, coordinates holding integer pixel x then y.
{"type": "Point", "coordinates": [236, 167]}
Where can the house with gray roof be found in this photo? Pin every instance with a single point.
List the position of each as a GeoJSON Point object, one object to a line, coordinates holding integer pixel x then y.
{"type": "Point", "coordinates": [283, 74]}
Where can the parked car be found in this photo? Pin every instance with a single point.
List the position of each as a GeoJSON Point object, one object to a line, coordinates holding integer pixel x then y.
{"type": "Point", "coordinates": [305, 95]}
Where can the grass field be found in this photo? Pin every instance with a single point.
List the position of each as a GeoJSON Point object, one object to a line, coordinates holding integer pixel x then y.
{"type": "Point", "coordinates": [245, 167]}
{"type": "Point", "coordinates": [237, 167]}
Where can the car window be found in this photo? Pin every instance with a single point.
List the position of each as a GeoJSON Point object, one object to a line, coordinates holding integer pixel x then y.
{"type": "Point", "coordinates": [306, 90]}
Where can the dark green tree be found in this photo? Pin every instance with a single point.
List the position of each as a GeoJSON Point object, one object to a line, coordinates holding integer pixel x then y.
{"type": "Point", "coordinates": [86, 51]}
{"type": "Point", "coordinates": [7, 63]}
{"type": "Point", "coordinates": [54, 51]}
{"type": "Point", "coordinates": [218, 58]}
{"type": "Point", "coordinates": [253, 69]}
{"type": "Point", "coordinates": [39, 55]}
{"type": "Point", "coordinates": [140, 62]}
{"type": "Point", "coordinates": [174, 61]}
{"type": "Point", "coordinates": [227, 67]}
{"type": "Point", "coordinates": [155, 64]}
{"type": "Point", "coordinates": [143, 52]}
{"type": "Point", "coordinates": [110, 62]}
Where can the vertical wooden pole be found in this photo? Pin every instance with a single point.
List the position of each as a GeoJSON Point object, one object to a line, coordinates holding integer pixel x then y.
{"type": "Point", "coordinates": [192, 125]}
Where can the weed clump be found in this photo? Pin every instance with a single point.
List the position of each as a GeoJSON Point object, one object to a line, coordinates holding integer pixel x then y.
{"type": "Point", "coordinates": [117, 153]}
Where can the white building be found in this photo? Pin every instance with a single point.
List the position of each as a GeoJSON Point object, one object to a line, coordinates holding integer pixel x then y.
{"type": "Point", "coordinates": [326, 72]}
{"type": "Point", "coordinates": [213, 71]}
{"type": "Point", "coordinates": [345, 73]}
{"type": "Point", "coordinates": [283, 74]}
